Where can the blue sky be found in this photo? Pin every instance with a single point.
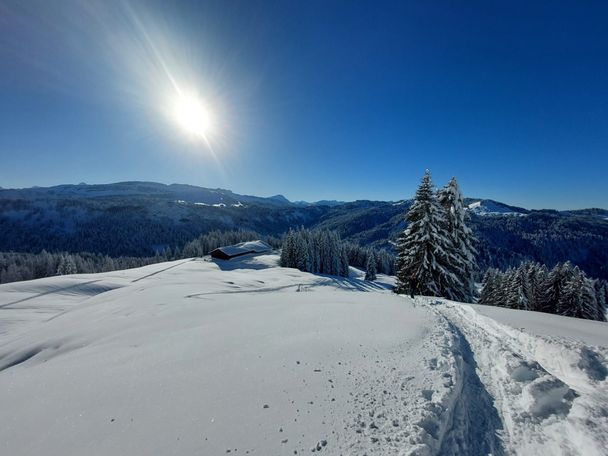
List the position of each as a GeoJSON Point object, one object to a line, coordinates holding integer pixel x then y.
{"type": "Point", "coordinates": [314, 100]}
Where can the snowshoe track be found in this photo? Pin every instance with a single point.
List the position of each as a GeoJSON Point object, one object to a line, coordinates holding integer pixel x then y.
{"type": "Point", "coordinates": [452, 413]}
{"type": "Point", "coordinates": [550, 400]}
{"type": "Point", "coordinates": [474, 421]}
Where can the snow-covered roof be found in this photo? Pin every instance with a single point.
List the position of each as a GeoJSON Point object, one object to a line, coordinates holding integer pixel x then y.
{"type": "Point", "coordinates": [244, 247]}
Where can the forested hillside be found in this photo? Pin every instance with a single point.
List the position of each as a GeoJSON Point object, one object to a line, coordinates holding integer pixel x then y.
{"type": "Point", "coordinates": [140, 219]}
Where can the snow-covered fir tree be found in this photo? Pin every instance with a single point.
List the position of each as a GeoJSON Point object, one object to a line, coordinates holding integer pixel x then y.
{"type": "Point", "coordinates": [425, 249]}
{"type": "Point", "coordinates": [588, 307]}
{"type": "Point", "coordinates": [571, 293]}
{"type": "Point", "coordinates": [370, 267]}
{"type": "Point", "coordinates": [552, 287]}
{"type": "Point", "coordinates": [503, 287]}
{"type": "Point", "coordinates": [565, 290]}
{"type": "Point", "coordinates": [537, 275]}
{"type": "Point", "coordinates": [518, 289]}
{"type": "Point", "coordinates": [317, 251]}
{"type": "Point", "coordinates": [578, 298]}
{"type": "Point", "coordinates": [287, 257]}
{"type": "Point", "coordinates": [601, 293]}
{"type": "Point", "coordinates": [462, 239]}
{"type": "Point", "coordinates": [300, 253]}
{"type": "Point", "coordinates": [66, 266]}
{"type": "Point", "coordinates": [344, 263]}
{"type": "Point", "coordinates": [490, 287]}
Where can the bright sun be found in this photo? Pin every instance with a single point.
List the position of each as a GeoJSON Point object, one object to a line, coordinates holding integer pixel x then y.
{"type": "Point", "coordinates": [191, 115]}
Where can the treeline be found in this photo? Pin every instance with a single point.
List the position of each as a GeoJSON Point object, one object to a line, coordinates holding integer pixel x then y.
{"type": "Point", "coordinates": [205, 243]}
{"type": "Point", "coordinates": [564, 290]}
{"type": "Point", "coordinates": [15, 267]}
{"type": "Point", "coordinates": [316, 251]}
{"type": "Point", "coordinates": [364, 257]}
{"type": "Point", "coordinates": [323, 252]}
{"type": "Point", "coordinates": [333, 255]}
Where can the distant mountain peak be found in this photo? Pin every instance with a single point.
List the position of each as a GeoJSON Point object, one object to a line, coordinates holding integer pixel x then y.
{"type": "Point", "coordinates": [280, 198]}
{"type": "Point", "coordinates": [491, 208]}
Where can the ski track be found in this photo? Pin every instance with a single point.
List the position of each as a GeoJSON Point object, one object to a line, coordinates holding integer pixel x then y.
{"type": "Point", "coordinates": [42, 308]}
{"type": "Point", "coordinates": [162, 270]}
{"type": "Point", "coordinates": [551, 393]}
{"type": "Point", "coordinates": [46, 293]}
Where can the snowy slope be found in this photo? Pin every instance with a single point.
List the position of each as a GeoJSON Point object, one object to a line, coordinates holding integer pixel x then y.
{"type": "Point", "coordinates": [490, 207]}
{"type": "Point", "coordinates": [244, 357]}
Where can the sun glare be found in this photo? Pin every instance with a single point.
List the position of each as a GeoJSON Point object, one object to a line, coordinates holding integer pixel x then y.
{"type": "Point", "coordinates": [190, 113]}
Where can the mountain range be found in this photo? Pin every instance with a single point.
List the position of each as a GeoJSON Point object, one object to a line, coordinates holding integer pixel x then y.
{"type": "Point", "coordinates": [139, 218]}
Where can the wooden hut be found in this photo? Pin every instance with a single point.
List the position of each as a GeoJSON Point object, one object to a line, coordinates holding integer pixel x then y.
{"type": "Point", "coordinates": [244, 248]}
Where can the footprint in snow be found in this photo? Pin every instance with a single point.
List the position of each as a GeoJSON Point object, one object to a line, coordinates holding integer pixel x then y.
{"type": "Point", "coordinates": [427, 394]}
{"type": "Point", "coordinates": [592, 364]}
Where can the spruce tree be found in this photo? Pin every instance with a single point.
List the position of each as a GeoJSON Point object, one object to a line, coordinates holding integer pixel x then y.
{"type": "Point", "coordinates": [425, 249]}
{"type": "Point", "coordinates": [518, 289]}
{"type": "Point", "coordinates": [538, 277]}
{"type": "Point", "coordinates": [344, 263]}
{"type": "Point", "coordinates": [287, 256]}
{"type": "Point", "coordinates": [370, 267]}
{"type": "Point", "coordinates": [301, 251]}
{"type": "Point", "coordinates": [601, 291]}
{"type": "Point", "coordinates": [488, 288]}
{"type": "Point", "coordinates": [552, 287]}
{"type": "Point", "coordinates": [571, 293]}
{"type": "Point", "coordinates": [578, 298]}
{"type": "Point", "coordinates": [498, 292]}
{"type": "Point", "coordinates": [588, 307]}
{"type": "Point", "coordinates": [66, 265]}
{"type": "Point", "coordinates": [462, 239]}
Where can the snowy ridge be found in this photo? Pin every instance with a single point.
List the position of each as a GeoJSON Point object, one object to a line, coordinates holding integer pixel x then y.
{"type": "Point", "coordinates": [493, 208]}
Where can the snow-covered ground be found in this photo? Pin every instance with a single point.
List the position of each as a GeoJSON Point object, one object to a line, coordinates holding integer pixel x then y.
{"type": "Point", "coordinates": [244, 357]}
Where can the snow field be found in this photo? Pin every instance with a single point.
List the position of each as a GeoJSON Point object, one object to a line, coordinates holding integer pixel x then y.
{"type": "Point", "coordinates": [244, 357]}
{"type": "Point", "coordinates": [187, 358]}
